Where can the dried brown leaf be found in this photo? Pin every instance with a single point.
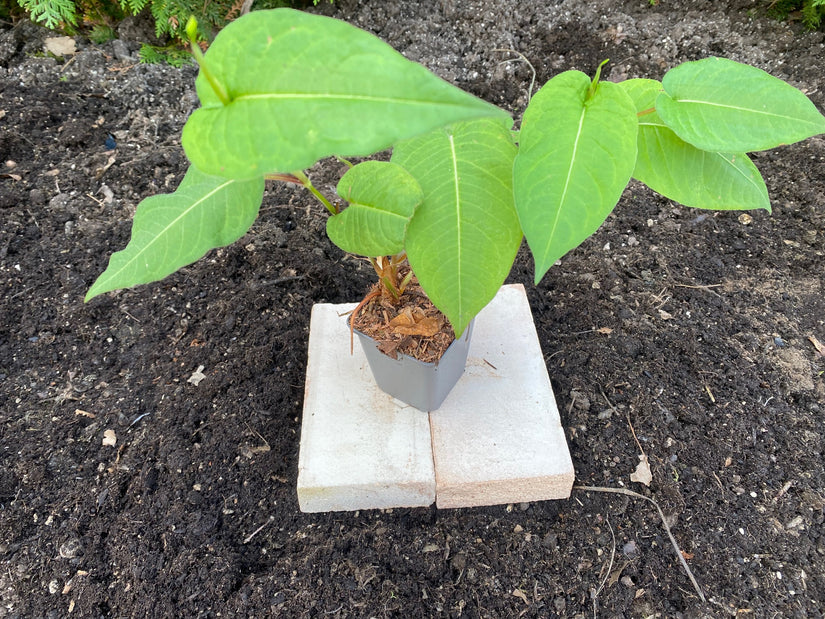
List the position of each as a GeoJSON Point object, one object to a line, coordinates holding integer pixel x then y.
{"type": "Point", "coordinates": [642, 473]}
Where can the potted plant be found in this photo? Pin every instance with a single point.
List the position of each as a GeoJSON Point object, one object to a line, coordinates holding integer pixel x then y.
{"type": "Point", "coordinates": [442, 221]}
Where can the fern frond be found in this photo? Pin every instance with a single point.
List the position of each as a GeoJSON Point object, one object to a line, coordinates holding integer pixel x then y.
{"type": "Point", "coordinates": [812, 13]}
{"type": "Point", "coordinates": [234, 10]}
{"type": "Point", "coordinates": [51, 13]}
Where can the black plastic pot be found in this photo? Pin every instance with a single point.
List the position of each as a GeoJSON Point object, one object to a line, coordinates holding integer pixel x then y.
{"type": "Point", "coordinates": [422, 385]}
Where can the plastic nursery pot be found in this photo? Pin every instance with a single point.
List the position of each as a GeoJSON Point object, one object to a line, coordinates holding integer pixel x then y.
{"type": "Point", "coordinates": [419, 384]}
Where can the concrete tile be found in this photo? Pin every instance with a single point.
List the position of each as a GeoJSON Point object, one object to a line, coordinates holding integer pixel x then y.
{"type": "Point", "coordinates": [360, 448]}
{"type": "Point", "coordinates": [497, 438]}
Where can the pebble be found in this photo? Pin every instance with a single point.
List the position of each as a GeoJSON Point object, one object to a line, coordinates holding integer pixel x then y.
{"type": "Point", "coordinates": [630, 549]}
{"type": "Point", "coordinates": [627, 581]}
{"type": "Point", "coordinates": [71, 548]}
{"type": "Point", "coordinates": [121, 50]}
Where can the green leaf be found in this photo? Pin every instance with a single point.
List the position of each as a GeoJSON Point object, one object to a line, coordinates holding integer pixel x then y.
{"type": "Point", "coordinates": [382, 198]}
{"type": "Point", "coordinates": [463, 239]}
{"type": "Point", "coordinates": [172, 230]}
{"type": "Point", "coordinates": [575, 158]}
{"type": "Point", "coordinates": [684, 173]}
{"type": "Point", "coordinates": [302, 87]}
{"type": "Point", "coordinates": [724, 106]}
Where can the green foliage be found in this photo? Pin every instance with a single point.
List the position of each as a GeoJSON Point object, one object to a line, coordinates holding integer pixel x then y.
{"type": "Point", "coordinates": [577, 149]}
{"type": "Point", "coordinates": [669, 165]}
{"type": "Point", "coordinates": [51, 13]}
{"type": "Point", "coordinates": [173, 230]}
{"type": "Point", "coordinates": [717, 104]}
{"type": "Point", "coordinates": [463, 239]}
{"type": "Point", "coordinates": [812, 12]}
{"type": "Point", "coordinates": [169, 54]}
{"type": "Point", "coordinates": [382, 199]}
{"type": "Point", "coordinates": [102, 33]}
{"type": "Point", "coordinates": [281, 89]}
{"type": "Point", "coordinates": [169, 16]}
{"type": "Point", "coordinates": [278, 108]}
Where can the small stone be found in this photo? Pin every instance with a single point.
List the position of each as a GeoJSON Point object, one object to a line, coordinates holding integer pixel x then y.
{"type": "Point", "coordinates": [197, 376]}
{"type": "Point", "coordinates": [54, 587]}
{"type": "Point", "coordinates": [121, 50]}
{"type": "Point", "coordinates": [71, 548]}
{"type": "Point", "coordinates": [61, 46]}
{"type": "Point", "coordinates": [796, 523]}
{"type": "Point", "coordinates": [630, 550]}
{"type": "Point", "coordinates": [550, 541]}
{"type": "Point", "coordinates": [627, 581]}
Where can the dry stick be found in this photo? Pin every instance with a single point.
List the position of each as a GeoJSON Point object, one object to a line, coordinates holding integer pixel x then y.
{"type": "Point", "coordinates": [635, 438]}
{"type": "Point", "coordinates": [706, 288]}
{"type": "Point", "coordinates": [258, 530]}
{"type": "Point", "coordinates": [636, 495]}
{"type": "Point", "coordinates": [609, 568]}
{"type": "Point", "coordinates": [354, 313]}
{"type": "Point", "coordinates": [523, 58]}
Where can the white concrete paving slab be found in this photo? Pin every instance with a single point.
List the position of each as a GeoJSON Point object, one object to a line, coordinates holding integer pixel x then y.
{"type": "Point", "coordinates": [498, 438]}
{"type": "Point", "coordinates": [360, 448]}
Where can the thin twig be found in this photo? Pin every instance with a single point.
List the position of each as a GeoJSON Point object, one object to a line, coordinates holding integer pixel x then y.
{"type": "Point", "coordinates": [138, 418]}
{"type": "Point", "coordinates": [523, 58]}
{"type": "Point", "coordinates": [706, 288]}
{"type": "Point", "coordinates": [635, 438]}
{"type": "Point", "coordinates": [636, 495]}
{"type": "Point", "coordinates": [258, 530]}
{"type": "Point", "coordinates": [609, 568]}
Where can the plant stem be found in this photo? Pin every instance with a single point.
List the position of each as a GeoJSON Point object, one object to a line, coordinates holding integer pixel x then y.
{"type": "Point", "coordinates": [304, 180]}
{"type": "Point", "coordinates": [217, 87]}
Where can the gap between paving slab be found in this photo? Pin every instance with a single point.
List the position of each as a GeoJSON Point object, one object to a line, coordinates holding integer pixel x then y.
{"type": "Point", "coordinates": [496, 439]}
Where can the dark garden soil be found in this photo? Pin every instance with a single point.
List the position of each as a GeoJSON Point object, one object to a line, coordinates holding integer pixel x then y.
{"type": "Point", "coordinates": [697, 330]}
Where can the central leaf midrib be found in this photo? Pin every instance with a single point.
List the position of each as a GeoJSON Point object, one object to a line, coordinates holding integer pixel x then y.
{"type": "Point", "coordinates": [566, 183]}
{"type": "Point", "coordinates": [345, 97]}
{"type": "Point", "coordinates": [737, 169]}
{"type": "Point", "coordinates": [370, 207]}
{"type": "Point", "coordinates": [739, 108]}
{"type": "Point", "coordinates": [457, 187]}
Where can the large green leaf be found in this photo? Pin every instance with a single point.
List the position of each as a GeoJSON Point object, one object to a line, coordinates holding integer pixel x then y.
{"type": "Point", "coordinates": [172, 230]}
{"type": "Point", "coordinates": [463, 239]}
{"type": "Point", "coordinates": [302, 87]}
{"type": "Point", "coordinates": [382, 198]}
{"type": "Point", "coordinates": [720, 105]}
{"type": "Point", "coordinates": [684, 173]}
{"type": "Point", "coordinates": [576, 153]}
